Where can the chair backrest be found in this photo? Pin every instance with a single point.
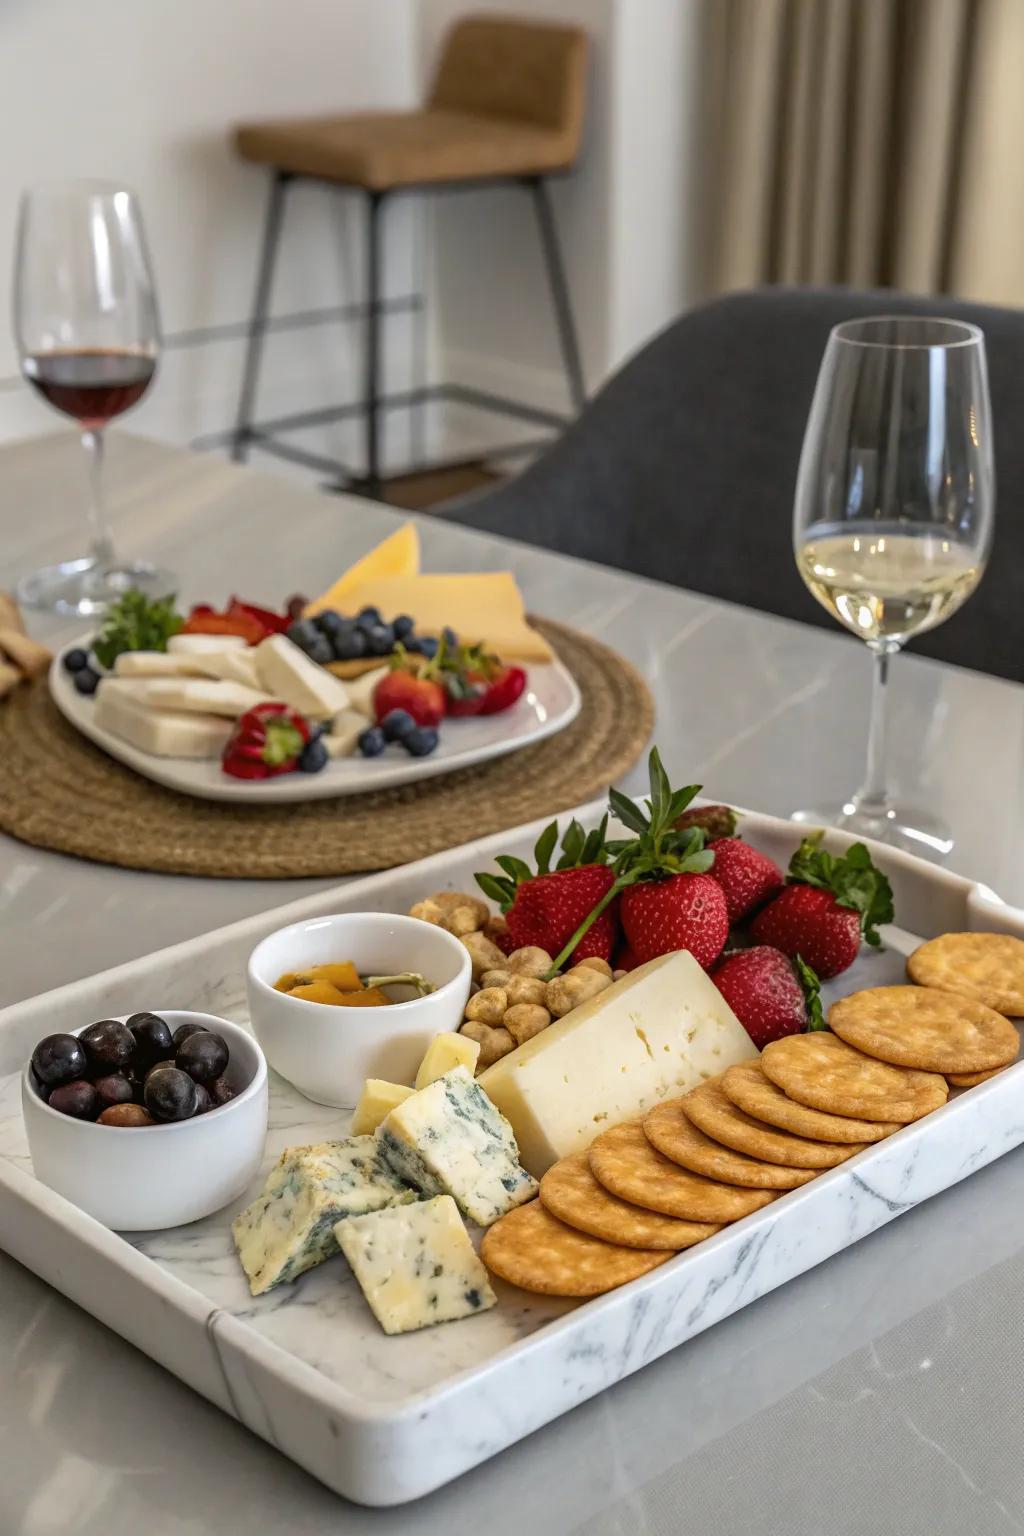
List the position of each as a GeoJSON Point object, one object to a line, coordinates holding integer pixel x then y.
{"type": "Point", "coordinates": [683, 467]}
{"type": "Point", "coordinates": [499, 66]}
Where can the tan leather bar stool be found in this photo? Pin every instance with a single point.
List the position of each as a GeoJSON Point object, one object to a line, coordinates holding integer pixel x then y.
{"type": "Point", "coordinates": [506, 107]}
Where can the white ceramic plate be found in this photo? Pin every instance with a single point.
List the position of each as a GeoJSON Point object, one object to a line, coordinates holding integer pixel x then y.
{"type": "Point", "coordinates": [550, 702]}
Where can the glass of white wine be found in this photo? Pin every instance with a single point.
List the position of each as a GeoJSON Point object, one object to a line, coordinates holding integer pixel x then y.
{"type": "Point", "coordinates": [894, 514]}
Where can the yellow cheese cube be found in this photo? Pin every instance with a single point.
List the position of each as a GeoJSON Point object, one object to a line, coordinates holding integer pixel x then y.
{"type": "Point", "coordinates": [445, 1052]}
{"type": "Point", "coordinates": [377, 1099]}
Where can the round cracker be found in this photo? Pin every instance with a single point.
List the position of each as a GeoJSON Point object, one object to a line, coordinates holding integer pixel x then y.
{"type": "Point", "coordinates": [972, 1079]}
{"type": "Point", "coordinates": [923, 1028]}
{"type": "Point", "coordinates": [823, 1072]}
{"type": "Point", "coordinates": [672, 1133]}
{"type": "Point", "coordinates": [986, 966]}
{"type": "Point", "coordinates": [532, 1249]}
{"type": "Point", "coordinates": [570, 1192]}
{"type": "Point", "coordinates": [749, 1089]}
{"type": "Point", "coordinates": [713, 1112]}
{"type": "Point", "coordinates": [626, 1164]}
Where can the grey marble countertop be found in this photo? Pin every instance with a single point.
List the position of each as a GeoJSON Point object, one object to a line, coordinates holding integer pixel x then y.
{"type": "Point", "coordinates": [879, 1393]}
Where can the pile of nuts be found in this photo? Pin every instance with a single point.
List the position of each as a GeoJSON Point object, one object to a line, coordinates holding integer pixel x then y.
{"type": "Point", "coordinates": [509, 1001]}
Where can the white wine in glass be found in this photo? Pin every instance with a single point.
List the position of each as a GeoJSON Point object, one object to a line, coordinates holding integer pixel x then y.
{"type": "Point", "coordinates": [894, 514]}
{"type": "Point", "coordinates": [85, 318]}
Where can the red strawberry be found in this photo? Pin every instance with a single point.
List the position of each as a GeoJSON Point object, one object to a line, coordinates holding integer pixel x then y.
{"type": "Point", "coordinates": [713, 820]}
{"type": "Point", "coordinates": [625, 960]}
{"type": "Point", "coordinates": [679, 912]}
{"type": "Point", "coordinates": [766, 994]}
{"type": "Point", "coordinates": [548, 910]}
{"type": "Point", "coordinates": [747, 877]}
{"type": "Point", "coordinates": [829, 905]}
{"type": "Point", "coordinates": [401, 689]}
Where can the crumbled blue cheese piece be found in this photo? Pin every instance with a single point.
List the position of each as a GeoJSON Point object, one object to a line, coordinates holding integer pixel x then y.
{"type": "Point", "coordinates": [416, 1265]}
{"type": "Point", "coordinates": [449, 1139]}
{"type": "Point", "coordinates": [289, 1228]}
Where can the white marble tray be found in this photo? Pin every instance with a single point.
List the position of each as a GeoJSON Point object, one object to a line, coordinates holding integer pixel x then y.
{"type": "Point", "coordinates": [386, 1420]}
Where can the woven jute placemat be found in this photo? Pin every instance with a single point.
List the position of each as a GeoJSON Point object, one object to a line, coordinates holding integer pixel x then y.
{"type": "Point", "coordinates": [58, 791]}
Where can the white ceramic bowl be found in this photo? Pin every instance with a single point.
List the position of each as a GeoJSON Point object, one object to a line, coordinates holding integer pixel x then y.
{"type": "Point", "coordinates": [328, 1052]}
{"type": "Point", "coordinates": [146, 1178]}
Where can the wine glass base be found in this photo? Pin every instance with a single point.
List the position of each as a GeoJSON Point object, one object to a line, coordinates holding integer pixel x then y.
{"type": "Point", "coordinates": [84, 588]}
{"type": "Point", "coordinates": [900, 825]}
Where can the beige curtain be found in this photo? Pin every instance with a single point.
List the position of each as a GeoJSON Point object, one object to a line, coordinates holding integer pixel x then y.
{"type": "Point", "coordinates": [872, 142]}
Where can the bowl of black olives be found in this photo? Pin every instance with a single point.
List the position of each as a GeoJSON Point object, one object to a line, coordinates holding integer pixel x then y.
{"type": "Point", "coordinates": [148, 1120]}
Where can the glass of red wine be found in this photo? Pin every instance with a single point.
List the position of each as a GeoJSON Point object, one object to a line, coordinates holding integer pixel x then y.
{"type": "Point", "coordinates": [85, 319]}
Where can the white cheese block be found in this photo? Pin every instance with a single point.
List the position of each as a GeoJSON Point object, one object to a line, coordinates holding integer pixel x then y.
{"type": "Point", "coordinates": [228, 666]}
{"type": "Point", "coordinates": [204, 696]}
{"type": "Point", "coordinates": [287, 673]}
{"type": "Point", "coordinates": [416, 1265]}
{"type": "Point", "coordinates": [290, 1227]}
{"type": "Point", "coordinates": [444, 1052]}
{"type": "Point", "coordinates": [163, 733]}
{"type": "Point", "coordinates": [449, 1139]}
{"type": "Point", "coordinates": [656, 1033]}
{"type": "Point", "coordinates": [377, 1099]}
{"type": "Point", "coordinates": [345, 732]}
{"type": "Point", "coordinates": [153, 664]}
{"type": "Point", "coordinates": [196, 645]}
{"type": "Point", "coordinates": [360, 691]}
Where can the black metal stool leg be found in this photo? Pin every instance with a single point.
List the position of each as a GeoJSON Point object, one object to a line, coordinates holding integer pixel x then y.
{"type": "Point", "coordinates": [559, 290]}
{"type": "Point", "coordinates": [372, 388]}
{"type": "Point", "coordinates": [258, 323]}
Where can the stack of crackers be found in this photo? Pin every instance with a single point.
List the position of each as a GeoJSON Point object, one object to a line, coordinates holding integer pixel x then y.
{"type": "Point", "coordinates": [651, 1187]}
{"type": "Point", "coordinates": [20, 657]}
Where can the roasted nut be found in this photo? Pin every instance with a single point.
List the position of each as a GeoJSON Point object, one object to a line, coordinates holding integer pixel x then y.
{"type": "Point", "coordinates": [525, 989]}
{"type": "Point", "coordinates": [451, 901]}
{"type": "Point", "coordinates": [499, 978]}
{"type": "Point", "coordinates": [428, 912]}
{"type": "Point", "coordinates": [530, 961]}
{"type": "Point", "coordinates": [460, 921]}
{"type": "Point", "coordinates": [496, 927]}
{"type": "Point", "coordinates": [487, 1006]}
{"type": "Point", "coordinates": [494, 1043]}
{"type": "Point", "coordinates": [577, 986]}
{"type": "Point", "coordinates": [596, 964]}
{"type": "Point", "coordinates": [524, 1020]}
{"type": "Point", "coordinates": [485, 955]}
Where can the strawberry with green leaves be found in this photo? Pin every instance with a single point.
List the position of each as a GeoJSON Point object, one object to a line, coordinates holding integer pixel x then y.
{"type": "Point", "coordinates": [769, 993]}
{"type": "Point", "coordinates": [546, 906]}
{"type": "Point", "coordinates": [828, 905]}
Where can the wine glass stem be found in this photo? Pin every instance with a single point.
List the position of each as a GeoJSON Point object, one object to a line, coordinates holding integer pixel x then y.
{"type": "Point", "coordinates": [101, 545]}
{"type": "Point", "coordinates": [873, 796]}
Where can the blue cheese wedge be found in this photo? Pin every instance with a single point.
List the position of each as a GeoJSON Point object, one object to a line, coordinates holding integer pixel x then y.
{"type": "Point", "coordinates": [289, 1228]}
{"type": "Point", "coordinates": [416, 1265]}
{"type": "Point", "coordinates": [449, 1139]}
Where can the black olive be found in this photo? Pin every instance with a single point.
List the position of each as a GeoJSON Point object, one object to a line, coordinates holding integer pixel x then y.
{"type": "Point", "coordinates": [109, 1046]}
{"type": "Point", "coordinates": [79, 1099]}
{"type": "Point", "coordinates": [58, 1059]}
{"type": "Point", "coordinates": [203, 1057]}
{"type": "Point", "coordinates": [170, 1094]}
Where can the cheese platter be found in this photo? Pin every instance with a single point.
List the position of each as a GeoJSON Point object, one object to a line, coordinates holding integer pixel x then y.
{"type": "Point", "coordinates": [335, 1358]}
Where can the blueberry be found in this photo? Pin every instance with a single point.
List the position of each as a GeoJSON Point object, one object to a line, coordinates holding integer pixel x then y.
{"type": "Point", "coordinates": [152, 1037]}
{"type": "Point", "coordinates": [314, 756]}
{"type": "Point", "coordinates": [328, 622]}
{"type": "Point", "coordinates": [367, 616]}
{"type": "Point", "coordinates": [414, 644]}
{"type": "Point", "coordinates": [109, 1046]}
{"type": "Point", "coordinates": [450, 638]}
{"type": "Point", "coordinates": [86, 680]}
{"type": "Point", "coordinates": [349, 645]}
{"type": "Point", "coordinates": [421, 741]}
{"type": "Point", "coordinates": [397, 724]}
{"type": "Point", "coordinates": [303, 633]}
{"type": "Point", "coordinates": [372, 742]}
{"type": "Point", "coordinates": [427, 646]}
{"type": "Point", "coordinates": [203, 1056]}
{"type": "Point", "coordinates": [403, 626]}
{"type": "Point", "coordinates": [183, 1031]}
{"type": "Point", "coordinates": [58, 1059]}
{"type": "Point", "coordinates": [380, 640]}
{"type": "Point", "coordinates": [78, 1099]}
{"type": "Point", "coordinates": [76, 659]}
{"type": "Point", "coordinates": [320, 650]}
{"type": "Point", "coordinates": [171, 1094]}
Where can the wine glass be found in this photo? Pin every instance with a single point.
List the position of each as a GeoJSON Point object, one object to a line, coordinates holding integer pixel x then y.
{"type": "Point", "coordinates": [85, 320]}
{"type": "Point", "coordinates": [894, 511]}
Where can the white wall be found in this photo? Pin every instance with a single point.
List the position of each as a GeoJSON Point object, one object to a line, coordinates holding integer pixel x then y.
{"type": "Point", "coordinates": [146, 90]}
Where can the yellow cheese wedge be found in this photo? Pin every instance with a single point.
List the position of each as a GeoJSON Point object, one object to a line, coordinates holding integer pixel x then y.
{"type": "Point", "coordinates": [377, 1099]}
{"type": "Point", "coordinates": [479, 606]}
{"type": "Point", "coordinates": [444, 1052]}
{"type": "Point", "coordinates": [397, 555]}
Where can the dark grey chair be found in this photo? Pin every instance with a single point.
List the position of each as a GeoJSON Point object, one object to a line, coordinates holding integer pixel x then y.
{"type": "Point", "coordinates": [683, 467]}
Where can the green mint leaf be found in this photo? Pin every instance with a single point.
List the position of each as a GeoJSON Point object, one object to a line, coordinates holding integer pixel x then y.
{"type": "Point", "coordinates": [136, 623]}
{"type": "Point", "coordinates": [811, 988]}
{"type": "Point", "coordinates": [545, 847]}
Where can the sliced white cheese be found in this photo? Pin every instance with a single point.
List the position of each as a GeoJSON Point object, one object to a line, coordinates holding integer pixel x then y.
{"type": "Point", "coordinates": [288, 674]}
{"type": "Point", "coordinates": [196, 645]}
{"type": "Point", "coordinates": [345, 732]}
{"type": "Point", "coordinates": [204, 696]}
{"type": "Point", "coordinates": [659, 1031]}
{"type": "Point", "coordinates": [162, 733]}
{"type": "Point", "coordinates": [360, 691]}
{"type": "Point", "coordinates": [228, 666]}
{"type": "Point", "coordinates": [416, 1265]}
{"type": "Point", "coordinates": [153, 664]}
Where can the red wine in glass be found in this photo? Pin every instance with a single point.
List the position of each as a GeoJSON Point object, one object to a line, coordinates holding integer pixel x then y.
{"type": "Point", "coordinates": [93, 385]}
